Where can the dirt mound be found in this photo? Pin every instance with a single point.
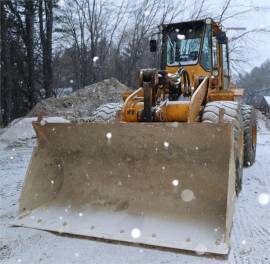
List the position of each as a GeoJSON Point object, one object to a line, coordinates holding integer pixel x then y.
{"type": "Point", "coordinates": [83, 102]}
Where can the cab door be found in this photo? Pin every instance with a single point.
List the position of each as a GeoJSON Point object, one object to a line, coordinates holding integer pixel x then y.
{"type": "Point", "coordinates": [225, 66]}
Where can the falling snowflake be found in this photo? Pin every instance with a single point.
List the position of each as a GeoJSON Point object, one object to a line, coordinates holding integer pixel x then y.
{"type": "Point", "coordinates": [197, 148]}
{"type": "Point", "coordinates": [11, 158]}
{"type": "Point", "coordinates": [109, 135]}
{"type": "Point", "coordinates": [52, 182]}
{"type": "Point", "coordinates": [187, 195]}
{"type": "Point", "coordinates": [80, 214]}
{"type": "Point", "coordinates": [166, 144]}
{"type": "Point", "coordinates": [42, 122]}
{"type": "Point", "coordinates": [135, 233]}
{"type": "Point", "coordinates": [71, 81]}
{"type": "Point", "coordinates": [264, 198]}
{"type": "Point", "coordinates": [175, 182]}
{"type": "Point", "coordinates": [244, 242]}
{"type": "Point", "coordinates": [76, 254]}
{"type": "Point", "coordinates": [147, 13]}
{"type": "Point", "coordinates": [19, 260]}
{"type": "Point", "coordinates": [95, 59]}
{"type": "Point", "coordinates": [61, 3]}
{"type": "Point", "coordinates": [61, 218]}
{"type": "Point", "coordinates": [174, 124]}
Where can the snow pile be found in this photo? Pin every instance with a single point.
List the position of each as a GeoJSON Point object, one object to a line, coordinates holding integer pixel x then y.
{"type": "Point", "coordinates": [82, 102]}
{"type": "Point", "coordinates": [20, 132]}
{"type": "Point", "coordinates": [263, 122]}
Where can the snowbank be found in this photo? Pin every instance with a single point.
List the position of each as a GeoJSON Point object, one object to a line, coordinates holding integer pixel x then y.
{"type": "Point", "coordinates": [20, 132]}
{"type": "Point", "coordinates": [82, 102]}
{"type": "Point", "coordinates": [263, 123]}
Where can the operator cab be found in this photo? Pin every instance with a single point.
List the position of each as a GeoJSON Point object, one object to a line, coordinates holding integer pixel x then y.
{"type": "Point", "coordinates": [200, 48]}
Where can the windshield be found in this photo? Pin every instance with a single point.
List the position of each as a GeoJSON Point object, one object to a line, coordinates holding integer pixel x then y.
{"type": "Point", "coordinates": [183, 45]}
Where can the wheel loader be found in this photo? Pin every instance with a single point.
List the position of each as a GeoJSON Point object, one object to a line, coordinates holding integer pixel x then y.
{"type": "Point", "coordinates": [163, 168]}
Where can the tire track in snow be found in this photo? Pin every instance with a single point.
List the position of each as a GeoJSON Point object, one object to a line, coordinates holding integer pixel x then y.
{"type": "Point", "coordinates": [250, 222]}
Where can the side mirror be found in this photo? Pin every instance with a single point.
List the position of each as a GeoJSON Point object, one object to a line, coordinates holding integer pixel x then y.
{"type": "Point", "coordinates": [221, 37]}
{"type": "Point", "coordinates": [153, 45]}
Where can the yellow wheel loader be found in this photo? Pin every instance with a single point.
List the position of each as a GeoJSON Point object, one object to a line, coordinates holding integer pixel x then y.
{"type": "Point", "coordinates": [165, 166]}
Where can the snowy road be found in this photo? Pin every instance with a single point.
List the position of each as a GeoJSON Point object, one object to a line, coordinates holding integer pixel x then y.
{"type": "Point", "coordinates": [250, 238]}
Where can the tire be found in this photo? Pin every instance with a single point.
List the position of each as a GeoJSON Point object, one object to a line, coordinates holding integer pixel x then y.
{"type": "Point", "coordinates": [250, 134]}
{"type": "Point", "coordinates": [105, 113]}
{"type": "Point", "coordinates": [232, 113]}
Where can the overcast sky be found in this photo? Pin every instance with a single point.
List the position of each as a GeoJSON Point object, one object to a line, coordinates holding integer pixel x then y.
{"type": "Point", "coordinates": [259, 45]}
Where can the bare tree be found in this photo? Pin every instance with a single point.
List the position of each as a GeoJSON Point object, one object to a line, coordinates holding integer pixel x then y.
{"type": "Point", "coordinates": [6, 82]}
{"type": "Point", "coordinates": [90, 27]}
{"type": "Point", "coordinates": [25, 28]}
{"type": "Point", "coordinates": [45, 14]}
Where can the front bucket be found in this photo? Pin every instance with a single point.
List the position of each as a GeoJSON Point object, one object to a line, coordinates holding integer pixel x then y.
{"type": "Point", "coordinates": [164, 184]}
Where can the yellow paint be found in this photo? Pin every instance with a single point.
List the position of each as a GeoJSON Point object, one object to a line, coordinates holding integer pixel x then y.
{"type": "Point", "coordinates": [176, 111]}
{"type": "Point", "coordinates": [194, 72]}
{"type": "Point", "coordinates": [225, 95]}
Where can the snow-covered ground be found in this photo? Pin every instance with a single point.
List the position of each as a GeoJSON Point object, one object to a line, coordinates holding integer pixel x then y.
{"type": "Point", "coordinates": [250, 237]}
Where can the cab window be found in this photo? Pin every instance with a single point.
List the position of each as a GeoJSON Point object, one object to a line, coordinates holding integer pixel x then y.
{"type": "Point", "coordinates": [183, 44]}
{"type": "Point", "coordinates": [215, 52]}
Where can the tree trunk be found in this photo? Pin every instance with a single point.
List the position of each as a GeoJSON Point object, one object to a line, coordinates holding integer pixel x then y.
{"type": "Point", "coordinates": [29, 39]}
{"type": "Point", "coordinates": [46, 44]}
{"type": "Point", "coordinates": [6, 84]}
